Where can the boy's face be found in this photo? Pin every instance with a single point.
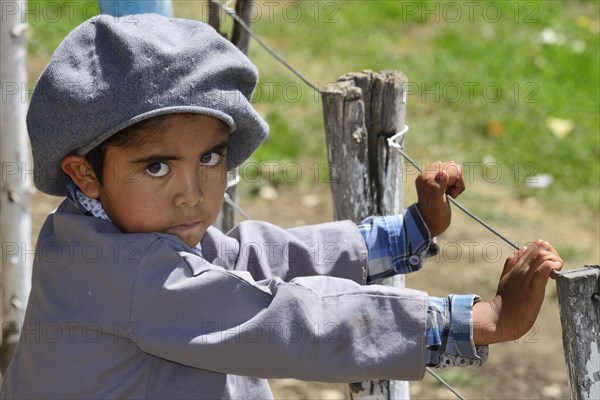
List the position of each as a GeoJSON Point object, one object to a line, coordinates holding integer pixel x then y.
{"type": "Point", "coordinates": [172, 182]}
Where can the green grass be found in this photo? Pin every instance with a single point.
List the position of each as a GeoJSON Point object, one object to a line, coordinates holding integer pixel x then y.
{"type": "Point", "coordinates": [466, 74]}
{"type": "Point", "coordinates": [455, 62]}
{"type": "Point", "coordinates": [458, 377]}
{"type": "Point", "coordinates": [51, 21]}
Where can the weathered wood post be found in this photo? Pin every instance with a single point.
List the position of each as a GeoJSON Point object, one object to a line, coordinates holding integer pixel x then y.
{"type": "Point", "coordinates": [362, 110]}
{"type": "Point", "coordinates": [214, 19]}
{"type": "Point", "coordinates": [239, 37]}
{"type": "Point", "coordinates": [579, 307]}
{"type": "Point", "coordinates": [15, 192]}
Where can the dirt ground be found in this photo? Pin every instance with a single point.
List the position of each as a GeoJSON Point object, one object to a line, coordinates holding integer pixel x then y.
{"type": "Point", "coordinates": [470, 261]}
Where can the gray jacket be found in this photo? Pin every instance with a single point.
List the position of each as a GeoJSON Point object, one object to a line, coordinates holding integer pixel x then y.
{"type": "Point", "coordinates": [114, 315]}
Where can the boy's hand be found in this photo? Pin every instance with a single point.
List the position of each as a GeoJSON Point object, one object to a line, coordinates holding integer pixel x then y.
{"type": "Point", "coordinates": [519, 296]}
{"type": "Point", "coordinates": [433, 184]}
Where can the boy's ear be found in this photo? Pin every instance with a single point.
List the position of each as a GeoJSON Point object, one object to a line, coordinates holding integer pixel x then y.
{"type": "Point", "coordinates": [82, 174]}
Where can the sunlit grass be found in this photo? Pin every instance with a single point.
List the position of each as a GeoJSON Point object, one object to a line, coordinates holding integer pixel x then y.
{"type": "Point", "coordinates": [486, 79]}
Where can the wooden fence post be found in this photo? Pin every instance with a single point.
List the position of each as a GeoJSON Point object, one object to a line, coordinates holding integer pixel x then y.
{"type": "Point", "coordinates": [214, 19]}
{"type": "Point", "coordinates": [15, 188]}
{"type": "Point", "coordinates": [240, 38]}
{"type": "Point", "coordinates": [579, 307]}
{"type": "Point", "coordinates": [362, 110]}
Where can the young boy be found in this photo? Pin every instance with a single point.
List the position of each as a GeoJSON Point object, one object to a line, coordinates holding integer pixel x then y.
{"type": "Point", "coordinates": [134, 295]}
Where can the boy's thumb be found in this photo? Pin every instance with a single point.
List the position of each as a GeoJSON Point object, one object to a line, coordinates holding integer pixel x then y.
{"type": "Point", "coordinates": [441, 178]}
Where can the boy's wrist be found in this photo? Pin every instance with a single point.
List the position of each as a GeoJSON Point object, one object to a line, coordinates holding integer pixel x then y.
{"type": "Point", "coordinates": [485, 322]}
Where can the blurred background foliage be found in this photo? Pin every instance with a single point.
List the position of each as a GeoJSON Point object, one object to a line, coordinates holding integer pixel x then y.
{"type": "Point", "coordinates": [510, 88]}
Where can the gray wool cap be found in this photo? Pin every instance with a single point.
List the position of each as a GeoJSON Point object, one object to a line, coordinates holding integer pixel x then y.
{"type": "Point", "coordinates": [110, 73]}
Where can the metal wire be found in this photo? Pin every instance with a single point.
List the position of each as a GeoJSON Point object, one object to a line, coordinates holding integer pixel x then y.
{"type": "Point", "coordinates": [391, 140]}
{"type": "Point", "coordinates": [239, 210]}
{"type": "Point", "coordinates": [392, 143]}
{"type": "Point", "coordinates": [246, 28]}
{"type": "Point", "coordinates": [443, 382]}
{"type": "Point", "coordinates": [235, 206]}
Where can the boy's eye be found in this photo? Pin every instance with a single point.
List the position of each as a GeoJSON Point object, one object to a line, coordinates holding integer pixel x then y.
{"type": "Point", "coordinates": [210, 159]}
{"type": "Point", "coordinates": [158, 169]}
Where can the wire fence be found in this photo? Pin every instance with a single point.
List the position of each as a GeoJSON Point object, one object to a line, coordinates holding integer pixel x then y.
{"type": "Point", "coordinates": [392, 142]}
{"type": "Point", "coordinates": [230, 12]}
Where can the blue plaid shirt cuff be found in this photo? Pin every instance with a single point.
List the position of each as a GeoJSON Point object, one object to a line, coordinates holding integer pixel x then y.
{"type": "Point", "coordinates": [397, 244]}
{"type": "Point", "coordinates": [449, 334]}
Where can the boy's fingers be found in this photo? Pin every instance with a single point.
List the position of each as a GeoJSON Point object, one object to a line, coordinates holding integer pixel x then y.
{"type": "Point", "coordinates": [441, 178]}
{"type": "Point", "coordinates": [546, 254]}
{"type": "Point", "coordinates": [543, 245]}
{"type": "Point", "coordinates": [456, 180]}
{"type": "Point", "coordinates": [542, 273]}
{"type": "Point", "coordinates": [523, 266]}
{"type": "Point", "coordinates": [557, 266]}
{"type": "Point", "coordinates": [558, 261]}
{"type": "Point", "coordinates": [543, 257]}
{"type": "Point", "coordinates": [509, 264]}
{"type": "Point", "coordinates": [444, 178]}
{"type": "Point", "coordinates": [455, 190]}
{"type": "Point", "coordinates": [433, 179]}
{"type": "Point", "coordinates": [449, 177]}
{"type": "Point", "coordinates": [522, 251]}
{"type": "Point", "coordinates": [524, 262]}
{"type": "Point", "coordinates": [511, 261]}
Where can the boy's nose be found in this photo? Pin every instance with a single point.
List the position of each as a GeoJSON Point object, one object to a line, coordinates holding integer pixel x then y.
{"type": "Point", "coordinates": [189, 191]}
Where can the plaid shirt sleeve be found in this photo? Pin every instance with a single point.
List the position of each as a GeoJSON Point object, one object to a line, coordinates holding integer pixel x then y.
{"type": "Point", "coordinates": [449, 333]}
{"type": "Point", "coordinates": [397, 244]}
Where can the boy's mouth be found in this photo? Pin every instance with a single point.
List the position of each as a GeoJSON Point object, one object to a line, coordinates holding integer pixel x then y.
{"type": "Point", "coordinates": [186, 225]}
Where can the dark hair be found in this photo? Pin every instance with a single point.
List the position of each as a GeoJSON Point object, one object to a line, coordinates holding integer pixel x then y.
{"type": "Point", "coordinates": [131, 136]}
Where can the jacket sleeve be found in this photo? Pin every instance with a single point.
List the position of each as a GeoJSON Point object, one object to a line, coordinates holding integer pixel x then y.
{"type": "Point", "coordinates": [397, 244]}
{"type": "Point", "coordinates": [194, 312]}
{"type": "Point", "coordinates": [267, 251]}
